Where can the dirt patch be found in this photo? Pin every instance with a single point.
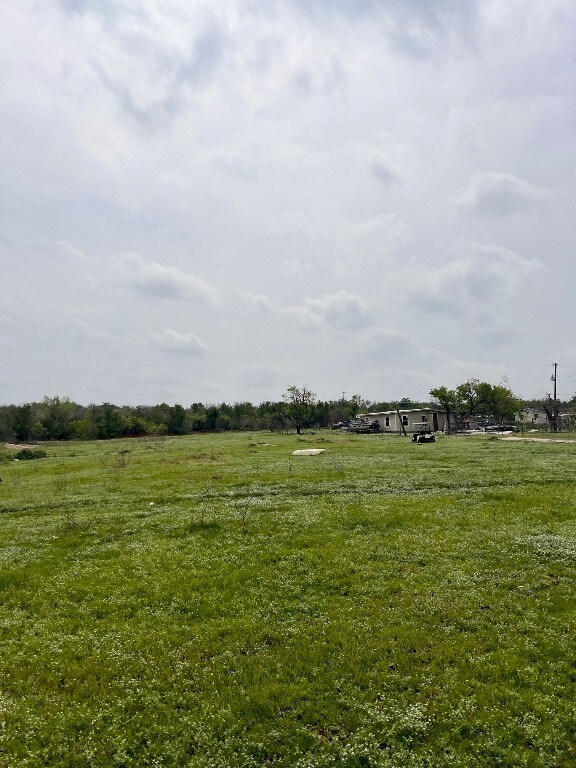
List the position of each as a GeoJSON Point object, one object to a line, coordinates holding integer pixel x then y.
{"type": "Point", "coordinates": [15, 446]}
{"type": "Point", "coordinates": [539, 439]}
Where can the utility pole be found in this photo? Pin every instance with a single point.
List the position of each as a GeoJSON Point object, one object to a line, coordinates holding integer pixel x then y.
{"type": "Point", "coordinates": [552, 407]}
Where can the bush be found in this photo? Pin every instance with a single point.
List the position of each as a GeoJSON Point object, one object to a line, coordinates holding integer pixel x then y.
{"type": "Point", "coordinates": [26, 454]}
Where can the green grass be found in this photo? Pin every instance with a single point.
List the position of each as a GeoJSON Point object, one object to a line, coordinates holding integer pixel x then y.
{"type": "Point", "coordinates": [212, 601]}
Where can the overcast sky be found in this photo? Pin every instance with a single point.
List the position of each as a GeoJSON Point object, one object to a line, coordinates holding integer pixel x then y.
{"type": "Point", "coordinates": [212, 201]}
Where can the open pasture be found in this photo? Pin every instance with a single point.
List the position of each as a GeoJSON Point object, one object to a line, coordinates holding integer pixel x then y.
{"type": "Point", "coordinates": [213, 601]}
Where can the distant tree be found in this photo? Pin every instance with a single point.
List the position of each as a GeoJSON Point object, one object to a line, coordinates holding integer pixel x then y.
{"type": "Point", "coordinates": [299, 406]}
{"type": "Point", "coordinates": [108, 421]}
{"type": "Point", "coordinates": [6, 428]}
{"type": "Point", "coordinates": [223, 422]}
{"type": "Point", "coordinates": [504, 405]}
{"type": "Point", "coordinates": [56, 416]}
{"type": "Point", "coordinates": [212, 417]}
{"type": "Point", "coordinates": [244, 416]}
{"type": "Point", "coordinates": [22, 422]}
{"type": "Point", "coordinates": [135, 426]}
{"type": "Point", "coordinates": [272, 416]}
{"type": "Point", "coordinates": [157, 429]}
{"type": "Point", "coordinates": [447, 399]}
{"type": "Point", "coordinates": [355, 404]}
{"type": "Point", "coordinates": [176, 423]}
{"type": "Point", "coordinates": [198, 422]}
{"type": "Point", "coordinates": [159, 415]}
{"type": "Point", "coordinates": [475, 398]}
{"type": "Point", "coordinates": [322, 412]}
{"type": "Point", "coordinates": [81, 429]}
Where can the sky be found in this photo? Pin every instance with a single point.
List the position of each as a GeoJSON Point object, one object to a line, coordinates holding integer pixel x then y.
{"type": "Point", "coordinates": [213, 201]}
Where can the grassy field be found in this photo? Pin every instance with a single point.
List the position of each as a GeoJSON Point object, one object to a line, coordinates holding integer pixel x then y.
{"type": "Point", "coordinates": [212, 601]}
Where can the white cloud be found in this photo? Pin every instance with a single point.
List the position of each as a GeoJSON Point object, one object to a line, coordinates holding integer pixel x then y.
{"type": "Point", "coordinates": [481, 277]}
{"type": "Point", "coordinates": [87, 333]}
{"type": "Point", "coordinates": [369, 242]}
{"type": "Point", "coordinates": [340, 311]}
{"type": "Point", "coordinates": [339, 246]}
{"type": "Point", "coordinates": [150, 61]}
{"type": "Point", "coordinates": [256, 302]}
{"type": "Point", "coordinates": [164, 282]}
{"type": "Point", "coordinates": [500, 194]}
{"type": "Point", "coordinates": [416, 29]}
{"type": "Point", "coordinates": [73, 253]}
{"type": "Point", "coordinates": [170, 340]}
{"type": "Point", "coordinates": [245, 155]}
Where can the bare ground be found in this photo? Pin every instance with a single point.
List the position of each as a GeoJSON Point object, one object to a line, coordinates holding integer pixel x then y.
{"type": "Point", "coordinates": [540, 439]}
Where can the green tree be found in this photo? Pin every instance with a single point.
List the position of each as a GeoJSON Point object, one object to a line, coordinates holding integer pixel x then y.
{"type": "Point", "coordinates": [447, 399]}
{"type": "Point", "coordinates": [299, 406]}
{"type": "Point", "coordinates": [57, 414]}
{"type": "Point", "coordinates": [355, 404]}
{"type": "Point", "coordinates": [212, 414]}
{"type": "Point", "coordinates": [23, 421]}
{"type": "Point", "coordinates": [475, 398]}
{"type": "Point", "coordinates": [272, 416]}
{"type": "Point", "coordinates": [109, 422]}
{"type": "Point", "coordinates": [82, 429]}
{"type": "Point", "coordinates": [135, 426]}
{"type": "Point", "coordinates": [503, 403]}
{"type": "Point", "coordinates": [198, 422]}
{"type": "Point", "coordinates": [176, 420]}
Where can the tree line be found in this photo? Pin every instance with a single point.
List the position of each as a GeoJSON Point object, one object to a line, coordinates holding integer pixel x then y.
{"type": "Point", "coordinates": [497, 402]}
{"type": "Point", "coordinates": [476, 398]}
{"type": "Point", "coordinates": [59, 418]}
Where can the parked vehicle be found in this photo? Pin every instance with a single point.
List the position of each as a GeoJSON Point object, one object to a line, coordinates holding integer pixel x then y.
{"type": "Point", "coordinates": [423, 436]}
{"type": "Point", "coordinates": [365, 426]}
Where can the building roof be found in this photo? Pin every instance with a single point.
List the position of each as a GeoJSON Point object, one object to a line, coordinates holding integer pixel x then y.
{"type": "Point", "coordinates": [403, 410]}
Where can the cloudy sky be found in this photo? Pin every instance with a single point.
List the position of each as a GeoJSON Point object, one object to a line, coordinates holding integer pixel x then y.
{"type": "Point", "coordinates": [213, 200]}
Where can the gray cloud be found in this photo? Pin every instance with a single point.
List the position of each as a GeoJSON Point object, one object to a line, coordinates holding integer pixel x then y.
{"type": "Point", "coordinates": [87, 333]}
{"type": "Point", "coordinates": [384, 174]}
{"type": "Point", "coordinates": [415, 28]}
{"type": "Point", "coordinates": [387, 345]}
{"type": "Point", "coordinates": [260, 376]}
{"type": "Point", "coordinates": [482, 276]}
{"type": "Point", "coordinates": [268, 169]}
{"type": "Point", "coordinates": [500, 195]}
{"type": "Point", "coordinates": [419, 28]}
{"type": "Point", "coordinates": [151, 75]}
{"type": "Point", "coordinates": [340, 311]}
{"type": "Point", "coordinates": [164, 282]}
{"type": "Point", "coordinates": [328, 77]}
{"type": "Point", "coordinates": [106, 8]}
{"type": "Point", "coordinates": [170, 340]}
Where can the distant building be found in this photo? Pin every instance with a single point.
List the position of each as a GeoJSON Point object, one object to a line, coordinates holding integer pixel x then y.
{"type": "Point", "coordinates": [412, 419]}
{"type": "Point", "coordinates": [535, 416]}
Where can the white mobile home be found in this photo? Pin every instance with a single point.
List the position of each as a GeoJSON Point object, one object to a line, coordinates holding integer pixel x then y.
{"type": "Point", "coordinates": [412, 420]}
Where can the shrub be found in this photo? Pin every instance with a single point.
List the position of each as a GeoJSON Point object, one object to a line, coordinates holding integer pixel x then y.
{"type": "Point", "coordinates": [26, 454]}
